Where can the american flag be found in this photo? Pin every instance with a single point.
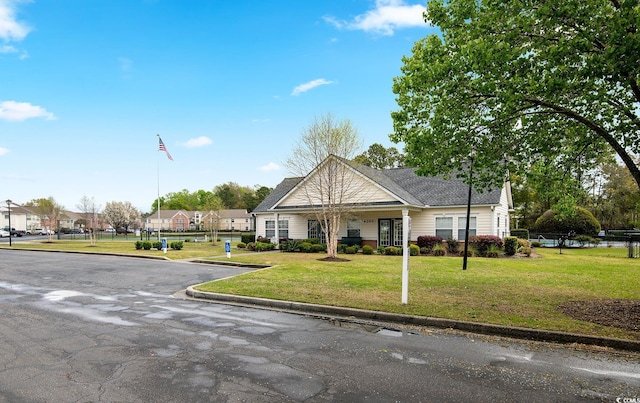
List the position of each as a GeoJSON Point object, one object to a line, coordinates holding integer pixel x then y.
{"type": "Point", "coordinates": [163, 148]}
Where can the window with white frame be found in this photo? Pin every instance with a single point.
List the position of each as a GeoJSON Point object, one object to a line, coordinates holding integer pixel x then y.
{"type": "Point", "coordinates": [462, 227]}
{"type": "Point", "coordinates": [283, 229]}
{"type": "Point", "coordinates": [270, 228]}
{"type": "Point", "coordinates": [353, 228]}
{"type": "Point", "coordinates": [444, 227]}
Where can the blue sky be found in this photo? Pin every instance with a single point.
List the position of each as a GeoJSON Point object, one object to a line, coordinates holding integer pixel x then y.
{"type": "Point", "coordinates": [229, 85]}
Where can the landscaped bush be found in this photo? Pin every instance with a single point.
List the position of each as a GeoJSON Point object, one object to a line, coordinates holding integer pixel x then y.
{"type": "Point", "coordinates": [510, 245]}
{"type": "Point", "coordinates": [138, 245]}
{"type": "Point", "coordinates": [290, 246]}
{"type": "Point", "coordinates": [157, 245]}
{"type": "Point", "coordinates": [453, 246]}
{"type": "Point", "coordinates": [391, 251]}
{"type": "Point", "coordinates": [536, 244]}
{"type": "Point", "coordinates": [524, 243]}
{"type": "Point", "coordinates": [263, 240]}
{"type": "Point", "coordinates": [493, 251]}
{"type": "Point", "coordinates": [305, 246]}
{"type": "Point", "coordinates": [526, 250]}
{"type": "Point", "coordinates": [318, 247]}
{"type": "Point", "coordinates": [470, 253]}
{"type": "Point", "coordinates": [521, 233]}
{"type": "Point", "coordinates": [438, 250]}
{"type": "Point", "coordinates": [414, 250]}
{"type": "Point", "coordinates": [241, 245]}
{"type": "Point", "coordinates": [380, 250]}
{"type": "Point", "coordinates": [482, 243]}
{"type": "Point", "coordinates": [146, 245]}
{"type": "Point", "coordinates": [264, 246]}
{"type": "Point", "coordinates": [177, 245]}
{"type": "Point", "coordinates": [342, 248]}
{"type": "Point", "coordinates": [583, 223]}
{"type": "Point", "coordinates": [312, 240]}
{"type": "Point", "coordinates": [367, 250]}
{"type": "Point", "coordinates": [424, 250]}
{"type": "Point", "coordinates": [247, 238]}
{"type": "Point", "coordinates": [251, 246]}
{"type": "Point", "coordinates": [351, 250]}
{"type": "Point", "coordinates": [428, 241]}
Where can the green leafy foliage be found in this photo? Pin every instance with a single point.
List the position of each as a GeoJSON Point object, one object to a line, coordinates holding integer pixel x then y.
{"type": "Point", "coordinates": [414, 250]}
{"type": "Point", "coordinates": [484, 243]}
{"type": "Point", "coordinates": [428, 241]}
{"type": "Point", "coordinates": [514, 83]}
{"type": "Point", "coordinates": [582, 222]}
{"type": "Point", "coordinates": [438, 250]}
{"type": "Point", "coordinates": [510, 245]}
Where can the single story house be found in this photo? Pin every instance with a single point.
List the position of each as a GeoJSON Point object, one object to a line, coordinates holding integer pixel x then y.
{"type": "Point", "coordinates": [378, 200]}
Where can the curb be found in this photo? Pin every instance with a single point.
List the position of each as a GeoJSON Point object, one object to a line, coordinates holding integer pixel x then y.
{"type": "Point", "coordinates": [234, 264]}
{"type": "Point", "coordinates": [473, 327]}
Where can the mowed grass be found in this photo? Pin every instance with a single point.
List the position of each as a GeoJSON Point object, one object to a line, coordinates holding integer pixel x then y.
{"type": "Point", "coordinates": [506, 291]}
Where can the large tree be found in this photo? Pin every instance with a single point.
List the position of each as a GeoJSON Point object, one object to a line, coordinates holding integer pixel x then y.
{"type": "Point", "coordinates": [327, 184]}
{"type": "Point", "coordinates": [89, 210]}
{"type": "Point", "coordinates": [49, 211]}
{"type": "Point", "coordinates": [513, 82]}
{"type": "Point", "coordinates": [120, 214]}
{"type": "Point", "coordinates": [379, 157]}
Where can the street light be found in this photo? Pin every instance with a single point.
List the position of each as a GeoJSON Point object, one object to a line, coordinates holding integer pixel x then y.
{"type": "Point", "coordinates": [232, 221]}
{"type": "Point", "coordinates": [9, 209]}
{"type": "Point", "coordinates": [466, 229]}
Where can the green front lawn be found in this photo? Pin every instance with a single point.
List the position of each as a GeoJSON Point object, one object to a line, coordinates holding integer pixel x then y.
{"type": "Point", "coordinates": [506, 291]}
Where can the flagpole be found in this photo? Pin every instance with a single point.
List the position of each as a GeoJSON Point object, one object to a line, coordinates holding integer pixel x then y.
{"type": "Point", "coordinates": [159, 225]}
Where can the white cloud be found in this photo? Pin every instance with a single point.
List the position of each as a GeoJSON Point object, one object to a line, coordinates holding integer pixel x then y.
{"type": "Point", "coordinates": [4, 151]}
{"type": "Point", "coordinates": [272, 166]}
{"type": "Point", "coordinates": [18, 111]}
{"type": "Point", "coordinates": [309, 86]}
{"type": "Point", "coordinates": [385, 18]}
{"type": "Point", "coordinates": [8, 49]}
{"type": "Point", "coordinates": [10, 28]}
{"type": "Point", "coordinates": [198, 142]}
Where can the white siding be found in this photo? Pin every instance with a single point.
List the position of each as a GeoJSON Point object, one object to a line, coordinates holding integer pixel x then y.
{"type": "Point", "coordinates": [360, 190]}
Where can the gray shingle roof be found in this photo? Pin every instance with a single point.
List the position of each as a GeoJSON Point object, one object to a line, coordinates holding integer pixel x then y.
{"type": "Point", "coordinates": [404, 183]}
{"type": "Point", "coordinates": [276, 194]}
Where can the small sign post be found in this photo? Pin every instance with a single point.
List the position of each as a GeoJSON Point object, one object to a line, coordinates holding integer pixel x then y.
{"type": "Point", "coordinates": [164, 245]}
{"type": "Point", "coordinates": [227, 248]}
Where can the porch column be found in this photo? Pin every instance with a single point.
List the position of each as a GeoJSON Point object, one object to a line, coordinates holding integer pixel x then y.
{"type": "Point", "coordinates": [277, 238]}
{"type": "Point", "coordinates": [406, 235]}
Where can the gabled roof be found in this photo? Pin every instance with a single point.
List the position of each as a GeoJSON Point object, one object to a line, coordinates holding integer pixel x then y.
{"type": "Point", "coordinates": [278, 193]}
{"type": "Point", "coordinates": [406, 185]}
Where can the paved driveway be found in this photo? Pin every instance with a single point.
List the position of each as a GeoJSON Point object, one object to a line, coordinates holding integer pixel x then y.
{"type": "Point", "coordinates": [97, 328]}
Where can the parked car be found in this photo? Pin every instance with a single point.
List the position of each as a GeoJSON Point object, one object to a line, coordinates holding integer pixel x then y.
{"type": "Point", "coordinates": [109, 230]}
{"type": "Point", "coordinates": [4, 234]}
{"type": "Point", "coordinates": [15, 232]}
{"type": "Point", "coordinates": [43, 231]}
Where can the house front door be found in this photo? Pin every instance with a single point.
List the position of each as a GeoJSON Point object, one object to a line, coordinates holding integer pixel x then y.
{"type": "Point", "coordinates": [390, 232]}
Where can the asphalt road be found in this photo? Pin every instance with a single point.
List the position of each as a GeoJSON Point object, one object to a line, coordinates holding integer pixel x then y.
{"type": "Point", "coordinates": [78, 328]}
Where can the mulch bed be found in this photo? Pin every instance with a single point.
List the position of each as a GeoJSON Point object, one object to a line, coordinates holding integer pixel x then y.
{"type": "Point", "coordinates": [620, 313]}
